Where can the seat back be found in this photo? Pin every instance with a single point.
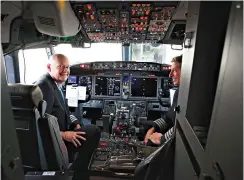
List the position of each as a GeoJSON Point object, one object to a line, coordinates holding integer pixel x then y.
{"type": "Point", "coordinates": [158, 165]}
{"type": "Point", "coordinates": [55, 149]}
{"type": "Point", "coordinates": [41, 145]}
{"type": "Point", "coordinates": [25, 100]}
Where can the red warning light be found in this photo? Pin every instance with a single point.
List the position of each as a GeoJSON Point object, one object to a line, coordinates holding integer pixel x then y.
{"type": "Point", "coordinates": [89, 6]}
{"type": "Point", "coordinates": [84, 66]}
{"type": "Point", "coordinates": [103, 144]}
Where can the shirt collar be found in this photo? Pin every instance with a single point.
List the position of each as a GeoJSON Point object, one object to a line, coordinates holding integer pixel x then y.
{"type": "Point", "coordinates": [58, 85]}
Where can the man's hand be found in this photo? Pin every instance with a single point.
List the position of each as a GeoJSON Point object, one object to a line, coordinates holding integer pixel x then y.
{"type": "Point", "coordinates": [77, 127]}
{"type": "Point", "coordinates": [149, 133]}
{"type": "Point", "coordinates": [155, 138]}
{"type": "Point", "coordinates": [73, 137]}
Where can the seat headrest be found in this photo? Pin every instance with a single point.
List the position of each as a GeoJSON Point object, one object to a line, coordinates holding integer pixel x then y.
{"type": "Point", "coordinates": [25, 95]}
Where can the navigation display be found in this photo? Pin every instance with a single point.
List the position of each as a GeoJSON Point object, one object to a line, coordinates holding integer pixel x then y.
{"type": "Point", "coordinates": [144, 87]}
{"type": "Point", "coordinates": [107, 86]}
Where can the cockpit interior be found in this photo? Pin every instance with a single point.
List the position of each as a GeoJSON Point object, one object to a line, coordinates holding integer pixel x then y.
{"type": "Point", "coordinates": [123, 94]}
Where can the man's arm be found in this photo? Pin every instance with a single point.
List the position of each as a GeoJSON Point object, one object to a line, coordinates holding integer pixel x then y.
{"type": "Point", "coordinates": [167, 121]}
{"type": "Point", "coordinates": [75, 122]}
{"type": "Point", "coordinates": [160, 125]}
{"type": "Point", "coordinates": [167, 136]}
{"type": "Point", "coordinates": [160, 139]}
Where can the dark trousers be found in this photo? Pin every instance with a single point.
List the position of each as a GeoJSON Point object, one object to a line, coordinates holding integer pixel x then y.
{"type": "Point", "coordinates": [85, 151]}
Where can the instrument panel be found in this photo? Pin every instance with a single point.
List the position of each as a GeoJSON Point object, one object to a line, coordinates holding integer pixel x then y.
{"type": "Point", "coordinates": [125, 22]}
{"type": "Point", "coordinates": [121, 80]}
{"type": "Point", "coordinates": [120, 87]}
{"type": "Point", "coordinates": [115, 85]}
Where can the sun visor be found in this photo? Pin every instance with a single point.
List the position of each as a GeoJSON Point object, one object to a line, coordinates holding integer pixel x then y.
{"type": "Point", "coordinates": [9, 11]}
{"type": "Point", "coordinates": [55, 18]}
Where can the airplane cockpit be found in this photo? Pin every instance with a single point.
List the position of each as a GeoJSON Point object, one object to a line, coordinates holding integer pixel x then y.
{"type": "Point", "coordinates": [120, 98]}
{"type": "Point", "coordinates": [119, 81]}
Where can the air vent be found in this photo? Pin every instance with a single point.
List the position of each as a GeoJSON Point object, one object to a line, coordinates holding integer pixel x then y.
{"type": "Point", "coordinates": [46, 21]}
{"type": "Point", "coordinates": [3, 16]}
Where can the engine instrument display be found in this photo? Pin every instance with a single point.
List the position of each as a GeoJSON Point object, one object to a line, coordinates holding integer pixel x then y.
{"type": "Point", "coordinates": [107, 86]}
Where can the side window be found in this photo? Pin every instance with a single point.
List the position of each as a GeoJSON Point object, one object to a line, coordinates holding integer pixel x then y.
{"type": "Point", "coordinates": [32, 64]}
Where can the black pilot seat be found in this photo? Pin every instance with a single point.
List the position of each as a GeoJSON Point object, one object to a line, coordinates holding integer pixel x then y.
{"type": "Point", "coordinates": [41, 147]}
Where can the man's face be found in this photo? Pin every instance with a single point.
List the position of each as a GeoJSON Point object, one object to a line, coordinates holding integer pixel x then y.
{"type": "Point", "coordinates": [175, 73]}
{"type": "Point", "coordinates": [59, 69]}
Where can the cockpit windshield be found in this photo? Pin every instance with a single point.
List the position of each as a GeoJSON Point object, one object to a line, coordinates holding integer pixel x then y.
{"type": "Point", "coordinates": [29, 59]}
{"type": "Point", "coordinates": [97, 52]}
{"type": "Point", "coordinates": [159, 53]}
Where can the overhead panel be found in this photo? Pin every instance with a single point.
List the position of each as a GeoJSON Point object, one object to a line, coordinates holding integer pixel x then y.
{"type": "Point", "coordinates": [124, 22]}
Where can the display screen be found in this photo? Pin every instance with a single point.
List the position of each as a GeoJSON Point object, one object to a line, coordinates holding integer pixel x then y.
{"type": "Point", "coordinates": [85, 81]}
{"type": "Point", "coordinates": [144, 87]}
{"type": "Point", "coordinates": [72, 79]}
{"type": "Point", "coordinates": [107, 86]}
